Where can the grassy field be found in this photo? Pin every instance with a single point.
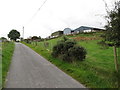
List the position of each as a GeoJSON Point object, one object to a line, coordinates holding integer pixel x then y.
{"type": "Point", "coordinates": [97, 71]}
{"type": "Point", "coordinates": [7, 52]}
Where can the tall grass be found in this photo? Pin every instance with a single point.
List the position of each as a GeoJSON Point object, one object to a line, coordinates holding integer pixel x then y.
{"type": "Point", "coordinates": [7, 52]}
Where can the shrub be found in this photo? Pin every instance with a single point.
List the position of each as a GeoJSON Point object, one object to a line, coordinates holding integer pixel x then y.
{"type": "Point", "coordinates": [77, 52]}
{"type": "Point", "coordinates": [58, 49]}
{"type": "Point", "coordinates": [68, 51]}
{"type": "Point", "coordinates": [68, 44]}
{"type": "Point", "coordinates": [27, 41]}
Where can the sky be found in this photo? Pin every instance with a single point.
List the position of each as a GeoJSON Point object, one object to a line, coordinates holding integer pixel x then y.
{"type": "Point", "coordinates": [53, 16]}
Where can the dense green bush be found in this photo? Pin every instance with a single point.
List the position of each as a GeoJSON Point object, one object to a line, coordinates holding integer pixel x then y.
{"type": "Point", "coordinates": [67, 50]}
{"type": "Point", "coordinates": [77, 52]}
{"type": "Point", "coordinates": [58, 49]}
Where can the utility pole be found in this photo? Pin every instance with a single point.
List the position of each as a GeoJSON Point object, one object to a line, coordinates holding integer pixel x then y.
{"type": "Point", "coordinates": [51, 42]}
{"type": "Point", "coordinates": [23, 32]}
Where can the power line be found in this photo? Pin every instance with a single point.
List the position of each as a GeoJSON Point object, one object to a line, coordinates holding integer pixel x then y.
{"type": "Point", "coordinates": [37, 11]}
{"type": "Point", "coordinates": [34, 15]}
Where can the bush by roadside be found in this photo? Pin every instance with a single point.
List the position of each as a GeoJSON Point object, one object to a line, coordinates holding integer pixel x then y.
{"type": "Point", "coordinates": [68, 50]}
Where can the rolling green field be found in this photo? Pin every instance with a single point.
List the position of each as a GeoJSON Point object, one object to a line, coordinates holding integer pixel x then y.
{"type": "Point", "coordinates": [96, 71]}
{"type": "Point", "coordinates": [7, 52]}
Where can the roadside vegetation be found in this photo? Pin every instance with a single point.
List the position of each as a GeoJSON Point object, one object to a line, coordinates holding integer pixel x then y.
{"type": "Point", "coordinates": [68, 50]}
{"type": "Point", "coordinates": [7, 52]}
{"type": "Point", "coordinates": [96, 71]}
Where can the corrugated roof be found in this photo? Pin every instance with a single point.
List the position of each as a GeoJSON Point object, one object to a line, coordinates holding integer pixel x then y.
{"type": "Point", "coordinates": [85, 28]}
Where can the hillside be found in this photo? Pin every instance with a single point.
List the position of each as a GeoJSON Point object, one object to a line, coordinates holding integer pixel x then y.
{"type": "Point", "coordinates": [96, 71]}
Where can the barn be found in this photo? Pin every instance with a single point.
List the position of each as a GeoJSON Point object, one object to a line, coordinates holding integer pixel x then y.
{"type": "Point", "coordinates": [86, 29]}
{"type": "Point", "coordinates": [68, 31]}
{"type": "Point", "coordinates": [57, 33]}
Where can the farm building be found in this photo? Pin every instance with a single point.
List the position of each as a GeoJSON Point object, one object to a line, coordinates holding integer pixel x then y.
{"type": "Point", "coordinates": [67, 31]}
{"type": "Point", "coordinates": [57, 33]}
{"type": "Point", "coordinates": [86, 29]}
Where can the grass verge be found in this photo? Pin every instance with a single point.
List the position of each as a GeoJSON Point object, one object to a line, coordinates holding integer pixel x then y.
{"type": "Point", "coordinates": [7, 52]}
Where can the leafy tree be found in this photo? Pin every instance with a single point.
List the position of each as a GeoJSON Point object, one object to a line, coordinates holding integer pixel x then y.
{"type": "Point", "coordinates": [34, 38]}
{"type": "Point", "coordinates": [14, 35]}
{"type": "Point", "coordinates": [39, 37]}
{"type": "Point", "coordinates": [3, 39]}
{"type": "Point", "coordinates": [112, 34]}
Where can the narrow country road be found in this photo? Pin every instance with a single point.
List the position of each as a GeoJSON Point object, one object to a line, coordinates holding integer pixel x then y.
{"type": "Point", "coordinates": [29, 70]}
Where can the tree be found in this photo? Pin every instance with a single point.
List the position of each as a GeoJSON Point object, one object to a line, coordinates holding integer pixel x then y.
{"type": "Point", "coordinates": [39, 37]}
{"type": "Point", "coordinates": [14, 35]}
{"type": "Point", "coordinates": [112, 34]}
{"type": "Point", "coordinates": [3, 39]}
{"type": "Point", "coordinates": [34, 38]}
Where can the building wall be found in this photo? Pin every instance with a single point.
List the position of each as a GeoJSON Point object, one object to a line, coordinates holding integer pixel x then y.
{"type": "Point", "coordinates": [87, 30]}
{"type": "Point", "coordinates": [75, 32]}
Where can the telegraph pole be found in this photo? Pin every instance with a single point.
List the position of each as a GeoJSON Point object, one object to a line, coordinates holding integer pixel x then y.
{"type": "Point", "coordinates": [23, 32]}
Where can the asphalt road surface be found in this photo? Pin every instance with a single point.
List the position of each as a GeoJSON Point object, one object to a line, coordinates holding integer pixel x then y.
{"type": "Point", "coordinates": [30, 70]}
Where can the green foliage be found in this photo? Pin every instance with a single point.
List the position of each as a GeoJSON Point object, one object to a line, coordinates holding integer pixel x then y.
{"type": "Point", "coordinates": [3, 39]}
{"type": "Point", "coordinates": [57, 49]}
{"type": "Point", "coordinates": [34, 38]}
{"type": "Point", "coordinates": [112, 34]}
{"type": "Point", "coordinates": [68, 51]}
{"type": "Point", "coordinates": [27, 41]}
{"type": "Point", "coordinates": [14, 35]}
{"type": "Point", "coordinates": [77, 52]}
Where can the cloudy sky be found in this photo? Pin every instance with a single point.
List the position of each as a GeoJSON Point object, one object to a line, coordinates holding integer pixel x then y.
{"type": "Point", "coordinates": [53, 16]}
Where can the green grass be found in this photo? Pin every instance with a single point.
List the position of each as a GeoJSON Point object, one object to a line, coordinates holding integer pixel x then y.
{"type": "Point", "coordinates": [97, 71]}
{"type": "Point", "coordinates": [0, 65]}
{"type": "Point", "coordinates": [7, 52]}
